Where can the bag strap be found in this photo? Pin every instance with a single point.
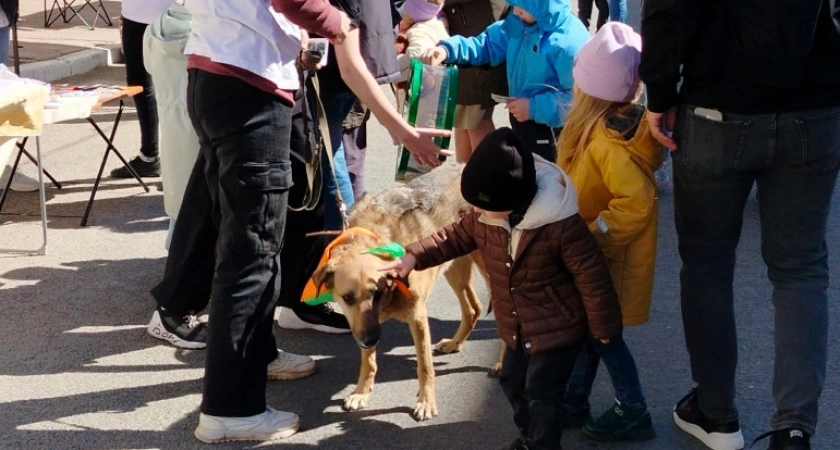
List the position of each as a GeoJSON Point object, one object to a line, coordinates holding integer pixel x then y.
{"type": "Point", "coordinates": [314, 179]}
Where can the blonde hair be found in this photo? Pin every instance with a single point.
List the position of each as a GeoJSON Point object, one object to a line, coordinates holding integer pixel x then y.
{"type": "Point", "coordinates": [585, 114]}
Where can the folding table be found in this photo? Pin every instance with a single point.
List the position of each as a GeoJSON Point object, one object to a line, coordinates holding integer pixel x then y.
{"type": "Point", "coordinates": [63, 8]}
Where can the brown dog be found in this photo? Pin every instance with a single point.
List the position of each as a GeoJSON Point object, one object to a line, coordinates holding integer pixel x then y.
{"type": "Point", "coordinates": [368, 297]}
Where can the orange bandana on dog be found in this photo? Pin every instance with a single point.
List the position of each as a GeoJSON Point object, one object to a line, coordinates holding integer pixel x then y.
{"type": "Point", "coordinates": [311, 294]}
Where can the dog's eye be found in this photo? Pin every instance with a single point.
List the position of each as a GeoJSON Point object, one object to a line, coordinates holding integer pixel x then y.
{"type": "Point", "coordinates": [349, 299]}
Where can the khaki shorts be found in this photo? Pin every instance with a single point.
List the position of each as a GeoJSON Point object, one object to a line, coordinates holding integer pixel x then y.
{"type": "Point", "coordinates": [468, 117]}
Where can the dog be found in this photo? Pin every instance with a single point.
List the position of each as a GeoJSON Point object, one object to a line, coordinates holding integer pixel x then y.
{"type": "Point", "coordinates": [368, 297]}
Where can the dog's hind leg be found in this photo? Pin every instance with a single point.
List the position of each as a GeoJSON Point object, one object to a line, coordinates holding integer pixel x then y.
{"type": "Point", "coordinates": [459, 276]}
{"type": "Point", "coordinates": [426, 407]}
{"type": "Point", "coordinates": [360, 396]}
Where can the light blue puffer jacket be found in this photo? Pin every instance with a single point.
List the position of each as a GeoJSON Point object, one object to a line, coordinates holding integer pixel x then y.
{"type": "Point", "coordinates": [539, 57]}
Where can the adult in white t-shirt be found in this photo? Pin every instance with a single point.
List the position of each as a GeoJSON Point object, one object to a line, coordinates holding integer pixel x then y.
{"type": "Point", "coordinates": [136, 16]}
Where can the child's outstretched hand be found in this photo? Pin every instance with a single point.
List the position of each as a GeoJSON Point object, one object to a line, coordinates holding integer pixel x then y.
{"type": "Point", "coordinates": [434, 56]}
{"type": "Point", "coordinates": [520, 109]}
{"type": "Point", "coordinates": [402, 266]}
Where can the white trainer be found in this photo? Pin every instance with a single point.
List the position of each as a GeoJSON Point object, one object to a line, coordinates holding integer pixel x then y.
{"type": "Point", "coordinates": [268, 426]}
{"type": "Point", "coordinates": [289, 366]}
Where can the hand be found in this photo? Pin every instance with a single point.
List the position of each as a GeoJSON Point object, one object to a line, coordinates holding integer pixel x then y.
{"type": "Point", "coordinates": [346, 27]}
{"type": "Point", "coordinates": [420, 144]}
{"type": "Point", "coordinates": [520, 109]}
{"type": "Point", "coordinates": [662, 123]}
{"type": "Point", "coordinates": [434, 56]}
{"type": "Point", "coordinates": [402, 266]}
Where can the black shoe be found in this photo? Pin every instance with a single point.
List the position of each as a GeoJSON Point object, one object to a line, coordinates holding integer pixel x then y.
{"type": "Point", "coordinates": [621, 423]}
{"type": "Point", "coordinates": [575, 418]}
{"type": "Point", "coordinates": [787, 439]}
{"type": "Point", "coordinates": [182, 332]}
{"type": "Point", "coordinates": [319, 318]}
{"type": "Point", "coordinates": [716, 435]}
{"type": "Point", "coordinates": [143, 168]}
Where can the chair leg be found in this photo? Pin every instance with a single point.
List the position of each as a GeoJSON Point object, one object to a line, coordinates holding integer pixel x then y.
{"type": "Point", "coordinates": [8, 185]}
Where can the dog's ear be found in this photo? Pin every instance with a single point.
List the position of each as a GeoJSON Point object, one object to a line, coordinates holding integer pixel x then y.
{"type": "Point", "coordinates": [324, 277]}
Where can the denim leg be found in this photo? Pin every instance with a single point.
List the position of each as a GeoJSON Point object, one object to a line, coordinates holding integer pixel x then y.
{"type": "Point", "coordinates": [583, 376]}
{"type": "Point", "coordinates": [336, 108]}
{"type": "Point", "coordinates": [244, 134]}
{"type": "Point", "coordinates": [623, 372]}
{"type": "Point", "coordinates": [794, 207]}
{"type": "Point", "coordinates": [5, 32]}
{"type": "Point", "coordinates": [708, 211]}
{"type": "Point", "coordinates": [618, 11]}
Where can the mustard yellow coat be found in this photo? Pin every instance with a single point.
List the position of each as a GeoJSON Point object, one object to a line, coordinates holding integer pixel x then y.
{"type": "Point", "coordinates": [617, 197]}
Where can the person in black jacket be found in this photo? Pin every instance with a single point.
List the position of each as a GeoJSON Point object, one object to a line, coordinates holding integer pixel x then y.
{"type": "Point", "coordinates": [759, 103]}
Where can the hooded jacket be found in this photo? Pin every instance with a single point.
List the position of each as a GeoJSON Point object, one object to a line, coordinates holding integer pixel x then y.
{"type": "Point", "coordinates": [549, 282]}
{"type": "Point", "coordinates": [618, 199]}
{"type": "Point", "coordinates": [539, 57]}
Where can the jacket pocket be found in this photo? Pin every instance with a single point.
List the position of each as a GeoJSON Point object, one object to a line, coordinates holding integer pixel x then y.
{"type": "Point", "coordinates": [712, 147]}
{"type": "Point", "coordinates": [820, 136]}
{"type": "Point", "coordinates": [259, 206]}
{"type": "Point", "coordinates": [559, 302]}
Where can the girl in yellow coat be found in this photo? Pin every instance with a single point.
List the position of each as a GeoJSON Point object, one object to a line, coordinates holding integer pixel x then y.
{"type": "Point", "coordinates": [610, 155]}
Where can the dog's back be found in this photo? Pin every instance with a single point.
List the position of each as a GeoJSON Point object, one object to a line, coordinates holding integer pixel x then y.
{"type": "Point", "coordinates": [414, 210]}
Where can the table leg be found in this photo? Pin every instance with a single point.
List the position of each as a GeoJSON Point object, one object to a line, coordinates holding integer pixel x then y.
{"type": "Point", "coordinates": [111, 148]}
{"type": "Point", "coordinates": [43, 249]}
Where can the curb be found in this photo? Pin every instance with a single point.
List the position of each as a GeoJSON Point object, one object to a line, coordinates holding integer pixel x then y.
{"type": "Point", "coordinates": [72, 64]}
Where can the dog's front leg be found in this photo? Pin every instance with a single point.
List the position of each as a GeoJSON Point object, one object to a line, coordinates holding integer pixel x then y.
{"type": "Point", "coordinates": [426, 402]}
{"type": "Point", "coordinates": [359, 398]}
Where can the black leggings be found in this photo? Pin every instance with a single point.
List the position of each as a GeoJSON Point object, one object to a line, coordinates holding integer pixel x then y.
{"type": "Point", "coordinates": [136, 75]}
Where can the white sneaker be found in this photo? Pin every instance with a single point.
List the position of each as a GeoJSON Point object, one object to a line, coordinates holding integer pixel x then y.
{"type": "Point", "coordinates": [289, 366]}
{"type": "Point", "coordinates": [321, 318]}
{"type": "Point", "coordinates": [187, 332]}
{"type": "Point", "coordinates": [20, 183]}
{"type": "Point", "coordinates": [268, 426]}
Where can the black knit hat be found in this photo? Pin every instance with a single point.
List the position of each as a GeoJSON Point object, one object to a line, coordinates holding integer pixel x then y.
{"type": "Point", "coordinates": [500, 175]}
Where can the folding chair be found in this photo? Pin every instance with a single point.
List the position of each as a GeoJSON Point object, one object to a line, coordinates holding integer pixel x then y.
{"type": "Point", "coordinates": [61, 7]}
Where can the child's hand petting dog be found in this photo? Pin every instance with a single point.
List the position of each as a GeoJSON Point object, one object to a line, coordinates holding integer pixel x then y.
{"type": "Point", "coordinates": [402, 266]}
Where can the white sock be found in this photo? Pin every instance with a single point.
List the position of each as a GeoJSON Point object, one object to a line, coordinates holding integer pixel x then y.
{"type": "Point", "coordinates": [148, 159]}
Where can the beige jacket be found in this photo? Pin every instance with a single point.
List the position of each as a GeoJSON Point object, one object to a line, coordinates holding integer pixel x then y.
{"type": "Point", "coordinates": [421, 37]}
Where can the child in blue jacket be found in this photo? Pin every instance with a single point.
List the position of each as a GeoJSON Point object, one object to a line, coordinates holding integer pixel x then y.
{"type": "Point", "coordinates": [539, 42]}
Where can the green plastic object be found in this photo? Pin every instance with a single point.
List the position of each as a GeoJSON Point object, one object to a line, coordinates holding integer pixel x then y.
{"type": "Point", "coordinates": [324, 297]}
{"type": "Point", "coordinates": [391, 250]}
{"type": "Point", "coordinates": [432, 92]}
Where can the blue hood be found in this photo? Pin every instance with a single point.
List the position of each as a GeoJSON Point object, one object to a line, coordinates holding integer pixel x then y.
{"type": "Point", "coordinates": [549, 14]}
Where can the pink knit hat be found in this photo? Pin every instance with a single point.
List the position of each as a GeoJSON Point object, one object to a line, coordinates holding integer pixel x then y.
{"type": "Point", "coordinates": [607, 67]}
{"type": "Point", "coordinates": [421, 10]}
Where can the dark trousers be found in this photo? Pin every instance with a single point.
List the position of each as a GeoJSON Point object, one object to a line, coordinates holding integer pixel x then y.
{"type": "Point", "coordinates": [240, 186]}
{"type": "Point", "coordinates": [620, 365]}
{"type": "Point", "coordinates": [535, 386]}
{"type": "Point", "coordinates": [585, 12]}
{"type": "Point", "coordinates": [185, 287]}
{"type": "Point", "coordinates": [794, 159]}
{"type": "Point", "coordinates": [136, 75]}
{"type": "Point", "coordinates": [539, 138]}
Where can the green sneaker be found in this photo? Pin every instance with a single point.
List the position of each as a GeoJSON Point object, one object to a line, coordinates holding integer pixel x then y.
{"type": "Point", "coordinates": [621, 423]}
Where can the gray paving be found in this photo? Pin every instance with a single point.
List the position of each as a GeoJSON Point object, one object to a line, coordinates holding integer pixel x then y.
{"type": "Point", "coordinates": [77, 370]}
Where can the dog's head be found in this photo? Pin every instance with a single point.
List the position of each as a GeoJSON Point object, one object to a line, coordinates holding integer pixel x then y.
{"type": "Point", "coordinates": [359, 288]}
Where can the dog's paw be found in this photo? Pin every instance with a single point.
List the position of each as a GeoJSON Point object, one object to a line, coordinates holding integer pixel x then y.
{"type": "Point", "coordinates": [495, 370]}
{"type": "Point", "coordinates": [425, 410]}
{"type": "Point", "coordinates": [355, 402]}
{"type": "Point", "coordinates": [448, 346]}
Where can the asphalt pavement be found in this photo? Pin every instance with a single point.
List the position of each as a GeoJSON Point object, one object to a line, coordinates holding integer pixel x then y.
{"type": "Point", "coordinates": [77, 370]}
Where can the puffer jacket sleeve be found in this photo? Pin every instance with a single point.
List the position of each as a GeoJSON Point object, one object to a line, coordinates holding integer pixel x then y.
{"type": "Point", "coordinates": [451, 242]}
{"type": "Point", "coordinates": [586, 263]}
{"type": "Point", "coordinates": [634, 196]}
{"type": "Point", "coordinates": [489, 47]}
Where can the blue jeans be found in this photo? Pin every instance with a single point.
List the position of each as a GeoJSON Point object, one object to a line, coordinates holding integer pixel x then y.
{"type": "Point", "coordinates": [618, 11]}
{"type": "Point", "coordinates": [336, 108]}
{"type": "Point", "coordinates": [620, 365]}
{"type": "Point", "coordinates": [794, 159]}
{"type": "Point", "coordinates": [5, 32]}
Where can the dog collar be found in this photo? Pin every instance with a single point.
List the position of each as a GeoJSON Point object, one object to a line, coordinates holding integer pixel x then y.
{"type": "Point", "coordinates": [313, 296]}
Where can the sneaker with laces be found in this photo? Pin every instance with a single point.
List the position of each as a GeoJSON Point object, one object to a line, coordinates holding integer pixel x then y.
{"type": "Point", "coordinates": [144, 169]}
{"type": "Point", "coordinates": [787, 439]}
{"type": "Point", "coordinates": [268, 426]}
{"type": "Point", "coordinates": [621, 423]}
{"type": "Point", "coordinates": [716, 435]}
{"type": "Point", "coordinates": [319, 318]}
{"type": "Point", "coordinates": [182, 332]}
{"type": "Point", "coordinates": [289, 366]}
